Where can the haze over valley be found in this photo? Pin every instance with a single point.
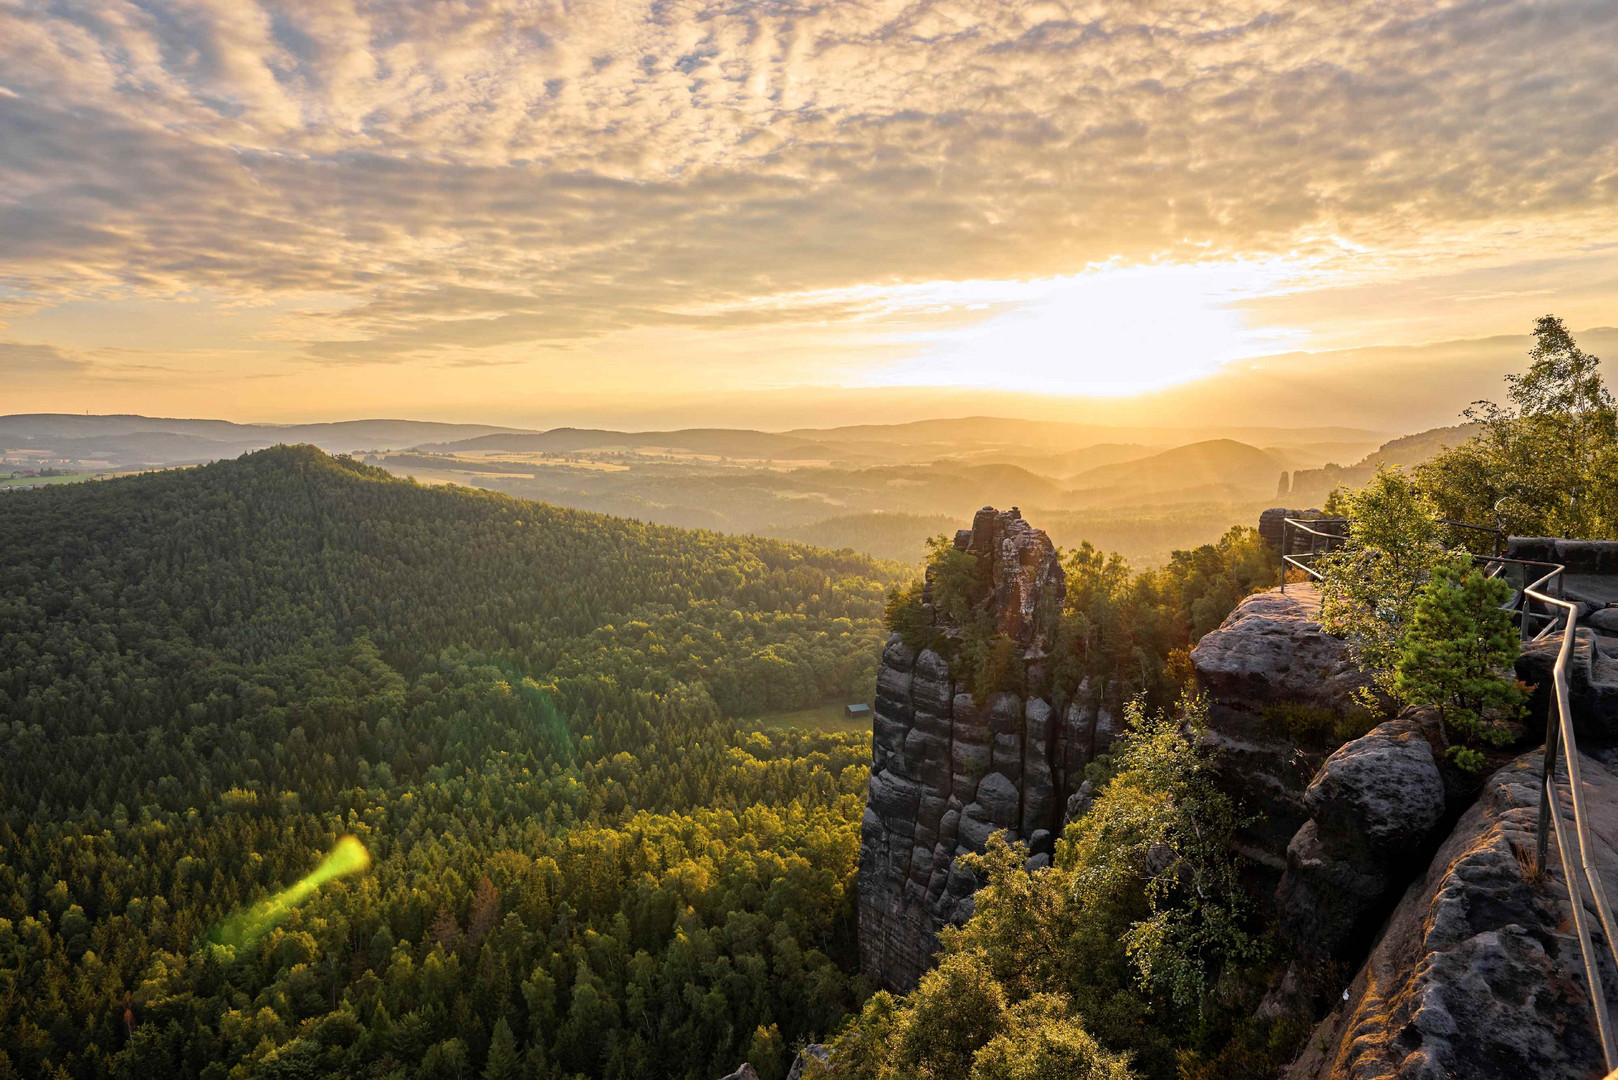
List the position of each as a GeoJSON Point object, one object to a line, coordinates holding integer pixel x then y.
{"type": "Point", "coordinates": [879, 489]}
{"type": "Point", "coordinates": [751, 540]}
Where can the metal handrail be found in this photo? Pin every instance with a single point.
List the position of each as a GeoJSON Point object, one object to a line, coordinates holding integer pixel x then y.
{"type": "Point", "coordinates": [1289, 524]}
{"type": "Point", "coordinates": [1550, 813]}
{"type": "Point", "coordinates": [1558, 731]}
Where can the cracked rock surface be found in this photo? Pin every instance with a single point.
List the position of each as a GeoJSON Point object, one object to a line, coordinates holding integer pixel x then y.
{"type": "Point", "coordinates": [1478, 973]}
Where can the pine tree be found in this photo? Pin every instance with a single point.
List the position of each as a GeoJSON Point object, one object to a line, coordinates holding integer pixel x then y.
{"type": "Point", "coordinates": [1456, 654]}
{"type": "Point", "coordinates": [502, 1063]}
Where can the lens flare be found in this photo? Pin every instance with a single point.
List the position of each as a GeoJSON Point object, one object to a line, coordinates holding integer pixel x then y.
{"type": "Point", "coordinates": [248, 925]}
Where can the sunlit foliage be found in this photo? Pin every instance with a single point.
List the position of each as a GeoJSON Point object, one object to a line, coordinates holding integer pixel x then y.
{"type": "Point", "coordinates": [584, 863]}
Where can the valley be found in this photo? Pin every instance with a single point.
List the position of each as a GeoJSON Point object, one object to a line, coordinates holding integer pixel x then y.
{"type": "Point", "coordinates": [881, 490]}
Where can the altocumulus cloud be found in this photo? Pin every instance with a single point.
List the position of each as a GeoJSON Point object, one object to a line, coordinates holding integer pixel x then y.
{"type": "Point", "coordinates": [482, 174]}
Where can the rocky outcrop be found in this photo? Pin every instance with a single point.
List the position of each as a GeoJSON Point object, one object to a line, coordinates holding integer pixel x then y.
{"type": "Point", "coordinates": [1592, 680]}
{"type": "Point", "coordinates": [1477, 973]}
{"type": "Point", "coordinates": [1272, 528]}
{"type": "Point", "coordinates": [817, 1052]}
{"type": "Point", "coordinates": [1377, 808]}
{"type": "Point", "coordinates": [746, 1072]}
{"type": "Point", "coordinates": [949, 769]}
{"type": "Point", "coordinates": [1271, 650]}
{"type": "Point", "coordinates": [1278, 685]}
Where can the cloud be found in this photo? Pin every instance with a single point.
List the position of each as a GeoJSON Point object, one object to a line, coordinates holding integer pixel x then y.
{"type": "Point", "coordinates": [482, 175]}
{"type": "Point", "coordinates": [22, 359]}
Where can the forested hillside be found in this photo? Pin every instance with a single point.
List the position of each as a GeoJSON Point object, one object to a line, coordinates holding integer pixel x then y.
{"type": "Point", "coordinates": [583, 863]}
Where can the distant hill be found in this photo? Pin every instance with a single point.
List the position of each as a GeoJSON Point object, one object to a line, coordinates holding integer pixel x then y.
{"type": "Point", "coordinates": [1414, 449]}
{"type": "Point", "coordinates": [1221, 466]}
{"type": "Point", "coordinates": [1061, 463]}
{"type": "Point", "coordinates": [157, 440]}
{"type": "Point", "coordinates": [725, 442]}
{"type": "Point", "coordinates": [1055, 434]}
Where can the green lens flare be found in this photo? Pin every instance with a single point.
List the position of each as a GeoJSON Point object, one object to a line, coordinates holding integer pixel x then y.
{"type": "Point", "coordinates": [250, 924]}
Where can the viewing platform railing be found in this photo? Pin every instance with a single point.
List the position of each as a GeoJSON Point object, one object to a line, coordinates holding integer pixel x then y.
{"type": "Point", "coordinates": [1558, 613]}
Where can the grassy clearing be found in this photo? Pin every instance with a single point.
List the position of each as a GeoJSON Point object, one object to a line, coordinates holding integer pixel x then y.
{"type": "Point", "coordinates": [828, 717]}
{"type": "Point", "coordinates": [41, 481]}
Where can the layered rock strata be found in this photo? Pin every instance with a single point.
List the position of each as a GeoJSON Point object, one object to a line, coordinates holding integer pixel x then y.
{"type": "Point", "coordinates": [949, 769]}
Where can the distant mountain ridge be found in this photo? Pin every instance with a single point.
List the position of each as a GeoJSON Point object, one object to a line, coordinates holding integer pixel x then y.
{"type": "Point", "coordinates": [1214, 465]}
{"type": "Point", "coordinates": [130, 439]}
{"type": "Point", "coordinates": [725, 442]}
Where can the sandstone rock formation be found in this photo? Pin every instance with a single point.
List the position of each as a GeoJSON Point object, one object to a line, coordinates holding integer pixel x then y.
{"type": "Point", "coordinates": [1474, 971]}
{"type": "Point", "coordinates": [1272, 527]}
{"type": "Point", "coordinates": [1377, 808]}
{"type": "Point", "coordinates": [948, 770]}
{"type": "Point", "coordinates": [1592, 677]}
{"type": "Point", "coordinates": [1477, 973]}
{"type": "Point", "coordinates": [1270, 654]}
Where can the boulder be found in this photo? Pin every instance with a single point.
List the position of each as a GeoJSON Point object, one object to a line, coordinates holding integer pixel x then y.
{"type": "Point", "coordinates": [1271, 650]}
{"type": "Point", "coordinates": [1378, 807]}
{"type": "Point", "coordinates": [1477, 973]}
{"type": "Point", "coordinates": [1078, 804]}
{"type": "Point", "coordinates": [1381, 793]}
{"type": "Point", "coordinates": [997, 801]}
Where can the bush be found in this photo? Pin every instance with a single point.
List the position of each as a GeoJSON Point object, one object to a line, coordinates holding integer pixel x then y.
{"type": "Point", "coordinates": [1311, 725]}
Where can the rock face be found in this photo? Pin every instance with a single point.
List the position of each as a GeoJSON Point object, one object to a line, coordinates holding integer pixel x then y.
{"type": "Point", "coordinates": [1376, 809]}
{"type": "Point", "coordinates": [1269, 655]}
{"type": "Point", "coordinates": [1477, 973]}
{"type": "Point", "coordinates": [1592, 678]}
{"type": "Point", "coordinates": [1272, 526]}
{"type": "Point", "coordinates": [949, 770]}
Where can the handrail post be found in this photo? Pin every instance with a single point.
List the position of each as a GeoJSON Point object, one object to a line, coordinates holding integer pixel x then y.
{"type": "Point", "coordinates": [1286, 549]}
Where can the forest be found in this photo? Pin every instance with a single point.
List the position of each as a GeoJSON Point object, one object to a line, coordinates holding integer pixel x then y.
{"type": "Point", "coordinates": [583, 863]}
{"type": "Point", "coordinates": [588, 858]}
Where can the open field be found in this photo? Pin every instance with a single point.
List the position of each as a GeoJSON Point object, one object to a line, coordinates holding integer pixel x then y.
{"type": "Point", "coordinates": [828, 717]}
{"type": "Point", "coordinates": [16, 482]}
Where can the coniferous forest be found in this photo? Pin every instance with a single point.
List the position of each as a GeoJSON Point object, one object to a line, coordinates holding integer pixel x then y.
{"type": "Point", "coordinates": [582, 863]}
{"type": "Point", "coordinates": [587, 858]}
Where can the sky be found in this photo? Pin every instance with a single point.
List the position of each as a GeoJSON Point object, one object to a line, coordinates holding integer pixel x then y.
{"type": "Point", "coordinates": [784, 213]}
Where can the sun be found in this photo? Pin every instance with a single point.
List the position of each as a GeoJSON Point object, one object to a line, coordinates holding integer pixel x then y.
{"type": "Point", "coordinates": [1112, 330]}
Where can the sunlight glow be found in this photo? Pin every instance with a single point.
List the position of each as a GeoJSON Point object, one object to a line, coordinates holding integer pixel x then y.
{"type": "Point", "coordinates": [1112, 330]}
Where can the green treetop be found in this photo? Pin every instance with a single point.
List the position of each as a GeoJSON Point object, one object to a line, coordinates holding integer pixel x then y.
{"type": "Point", "coordinates": [1456, 654]}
